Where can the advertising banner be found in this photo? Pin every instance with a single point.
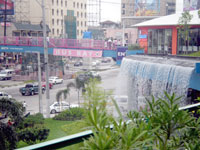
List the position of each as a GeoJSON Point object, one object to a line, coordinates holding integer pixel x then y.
{"type": "Point", "coordinates": [121, 52]}
{"type": "Point", "coordinates": [146, 7]}
{"type": "Point", "coordinates": [191, 5]}
{"type": "Point", "coordinates": [77, 53]}
{"type": "Point", "coordinates": [9, 7]}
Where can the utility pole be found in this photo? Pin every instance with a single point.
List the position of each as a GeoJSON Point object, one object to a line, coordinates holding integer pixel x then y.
{"type": "Point", "coordinates": [39, 84]}
{"type": "Point", "coordinates": [5, 19]}
{"type": "Point", "coordinates": [46, 60]}
{"type": "Point", "coordinates": [123, 32]}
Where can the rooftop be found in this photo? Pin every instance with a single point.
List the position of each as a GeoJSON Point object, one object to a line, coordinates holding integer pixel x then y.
{"type": "Point", "coordinates": [170, 20]}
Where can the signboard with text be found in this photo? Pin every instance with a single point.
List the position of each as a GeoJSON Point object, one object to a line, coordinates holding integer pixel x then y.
{"type": "Point", "coordinates": [9, 5]}
{"type": "Point", "coordinates": [121, 52]}
{"type": "Point", "coordinates": [77, 53]}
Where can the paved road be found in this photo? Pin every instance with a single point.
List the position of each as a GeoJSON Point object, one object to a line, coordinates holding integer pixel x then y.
{"type": "Point", "coordinates": [109, 78]}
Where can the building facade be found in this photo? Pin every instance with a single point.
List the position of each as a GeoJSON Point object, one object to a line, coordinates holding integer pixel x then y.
{"type": "Point", "coordinates": [136, 11]}
{"type": "Point", "coordinates": [161, 35]}
{"type": "Point", "coordinates": [30, 11]}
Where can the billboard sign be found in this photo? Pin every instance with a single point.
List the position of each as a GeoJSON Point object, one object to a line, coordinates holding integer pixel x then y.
{"type": "Point", "coordinates": [191, 5]}
{"type": "Point", "coordinates": [121, 52]}
{"type": "Point", "coordinates": [146, 7]}
{"type": "Point", "coordinates": [77, 53]}
{"type": "Point", "coordinates": [9, 7]}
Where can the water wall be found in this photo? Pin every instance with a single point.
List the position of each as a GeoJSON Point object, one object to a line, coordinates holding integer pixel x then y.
{"type": "Point", "coordinates": [143, 76]}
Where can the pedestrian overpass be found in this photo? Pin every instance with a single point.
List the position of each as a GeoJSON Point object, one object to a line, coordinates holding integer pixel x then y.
{"type": "Point", "coordinates": [59, 47]}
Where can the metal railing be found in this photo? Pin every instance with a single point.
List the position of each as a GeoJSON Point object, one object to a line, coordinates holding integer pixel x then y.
{"type": "Point", "coordinates": [57, 42]}
{"type": "Point", "coordinates": [60, 142]}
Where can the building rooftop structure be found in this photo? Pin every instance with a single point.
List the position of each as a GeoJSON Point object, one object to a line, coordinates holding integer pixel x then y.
{"type": "Point", "coordinates": [170, 20]}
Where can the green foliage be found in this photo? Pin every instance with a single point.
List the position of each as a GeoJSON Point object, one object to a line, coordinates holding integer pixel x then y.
{"type": "Point", "coordinates": [75, 127]}
{"type": "Point", "coordinates": [32, 129]}
{"type": "Point", "coordinates": [172, 122]}
{"type": "Point", "coordinates": [33, 134]}
{"type": "Point", "coordinates": [31, 120]}
{"type": "Point", "coordinates": [59, 94]}
{"type": "Point", "coordinates": [184, 26]}
{"type": "Point", "coordinates": [161, 125]}
{"type": "Point", "coordinates": [121, 136]}
{"type": "Point", "coordinates": [134, 47]}
{"type": "Point", "coordinates": [13, 110]}
{"type": "Point", "coordinates": [8, 138]}
{"type": "Point", "coordinates": [71, 114]}
{"type": "Point", "coordinates": [196, 54]}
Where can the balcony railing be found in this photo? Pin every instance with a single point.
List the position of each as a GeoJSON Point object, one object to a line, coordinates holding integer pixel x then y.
{"type": "Point", "coordinates": [58, 42]}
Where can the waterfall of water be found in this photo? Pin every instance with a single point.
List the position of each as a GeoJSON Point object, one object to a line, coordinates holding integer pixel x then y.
{"type": "Point", "coordinates": [139, 80]}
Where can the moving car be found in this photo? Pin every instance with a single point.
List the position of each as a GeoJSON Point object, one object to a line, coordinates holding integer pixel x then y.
{"type": "Point", "coordinates": [55, 80]}
{"type": "Point", "coordinates": [6, 74]}
{"type": "Point", "coordinates": [78, 64]}
{"type": "Point", "coordinates": [30, 89]}
{"type": "Point", "coordinates": [60, 106]}
{"type": "Point", "coordinates": [5, 95]}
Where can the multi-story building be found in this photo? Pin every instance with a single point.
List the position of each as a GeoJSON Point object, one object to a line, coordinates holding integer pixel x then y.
{"type": "Point", "coordinates": [136, 11]}
{"type": "Point", "coordinates": [65, 18]}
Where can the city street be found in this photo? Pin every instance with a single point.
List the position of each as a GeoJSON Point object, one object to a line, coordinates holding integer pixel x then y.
{"type": "Point", "coordinates": [109, 78]}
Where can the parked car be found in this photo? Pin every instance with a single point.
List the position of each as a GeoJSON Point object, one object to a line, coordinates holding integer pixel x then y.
{"type": "Point", "coordinates": [50, 85]}
{"type": "Point", "coordinates": [105, 60]}
{"type": "Point", "coordinates": [6, 74]}
{"type": "Point", "coordinates": [5, 95]}
{"type": "Point", "coordinates": [78, 63]}
{"type": "Point", "coordinates": [58, 107]}
{"type": "Point", "coordinates": [31, 89]}
{"type": "Point", "coordinates": [55, 80]}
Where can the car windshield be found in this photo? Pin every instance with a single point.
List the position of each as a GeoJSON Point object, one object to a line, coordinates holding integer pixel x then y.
{"type": "Point", "coordinates": [29, 85]}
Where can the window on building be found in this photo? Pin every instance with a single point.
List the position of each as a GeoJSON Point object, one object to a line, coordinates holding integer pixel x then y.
{"type": "Point", "coordinates": [77, 5]}
{"type": "Point", "coordinates": [57, 31]}
{"type": "Point", "coordinates": [85, 23]}
{"type": "Point", "coordinates": [61, 21]}
{"type": "Point", "coordinates": [57, 12]}
{"type": "Point", "coordinates": [123, 5]}
{"type": "Point", "coordinates": [65, 3]}
{"type": "Point", "coordinates": [61, 31]}
{"type": "Point", "coordinates": [81, 15]}
{"type": "Point", "coordinates": [77, 23]}
{"type": "Point", "coordinates": [61, 12]}
{"type": "Point", "coordinates": [52, 2]}
{"type": "Point", "coordinates": [78, 32]}
{"type": "Point", "coordinates": [85, 6]}
{"type": "Point", "coordinates": [85, 15]}
{"type": "Point", "coordinates": [74, 4]}
{"type": "Point", "coordinates": [61, 3]}
{"type": "Point", "coordinates": [123, 12]}
{"type": "Point", "coordinates": [52, 11]}
{"type": "Point", "coordinates": [52, 21]}
{"type": "Point", "coordinates": [57, 2]}
{"type": "Point", "coordinates": [57, 21]}
{"type": "Point", "coordinates": [81, 6]}
{"type": "Point", "coordinates": [53, 31]}
{"type": "Point", "coordinates": [81, 23]}
{"type": "Point", "coordinates": [77, 14]}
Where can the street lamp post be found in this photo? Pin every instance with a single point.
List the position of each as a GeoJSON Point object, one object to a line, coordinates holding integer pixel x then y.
{"type": "Point", "coordinates": [46, 60]}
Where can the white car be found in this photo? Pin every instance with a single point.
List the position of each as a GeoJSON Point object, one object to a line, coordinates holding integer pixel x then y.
{"type": "Point", "coordinates": [58, 107]}
{"type": "Point", "coordinates": [5, 95]}
{"type": "Point", "coordinates": [55, 80]}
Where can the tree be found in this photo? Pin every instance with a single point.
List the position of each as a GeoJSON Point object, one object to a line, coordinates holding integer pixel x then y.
{"type": "Point", "coordinates": [13, 111]}
{"type": "Point", "coordinates": [184, 27]}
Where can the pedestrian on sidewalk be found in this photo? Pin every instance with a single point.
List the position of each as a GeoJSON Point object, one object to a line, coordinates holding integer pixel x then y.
{"type": "Point", "coordinates": [24, 106]}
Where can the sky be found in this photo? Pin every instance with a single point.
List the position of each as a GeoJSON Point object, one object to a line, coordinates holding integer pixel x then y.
{"type": "Point", "coordinates": [111, 10]}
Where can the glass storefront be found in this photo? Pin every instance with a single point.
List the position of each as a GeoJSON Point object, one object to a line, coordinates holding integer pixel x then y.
{"type": "Point", "coordinates": [160, 41]}
{"type": "Point", "coordinates": [191, 45]}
